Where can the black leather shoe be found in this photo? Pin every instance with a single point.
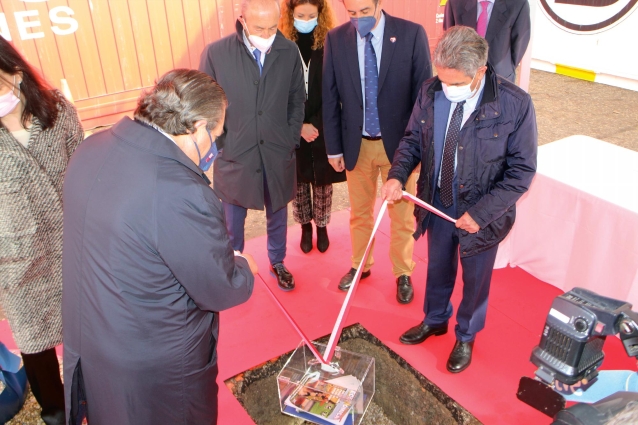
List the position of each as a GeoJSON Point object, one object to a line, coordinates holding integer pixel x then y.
{"type": "Point", "coordinates": [461, 357]}
{"type": "Point", "coordinates": [421, 332]}
{"type": "Point", "coordinates": [405, 292]}
{"type": "Point", "coordinates": [53, 417]}
{"type": "Point", "coordinates": [306, 238]}
{"type": "Point", "coordinates": [322, 239]}
{"type": "Point", "coordinates": [284, 279]}
{"type": "Point", "coordinates": [346, 280]}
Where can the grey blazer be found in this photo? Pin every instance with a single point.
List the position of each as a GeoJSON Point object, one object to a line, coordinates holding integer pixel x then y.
{"type": "Point", "coordinates": [31, 228]}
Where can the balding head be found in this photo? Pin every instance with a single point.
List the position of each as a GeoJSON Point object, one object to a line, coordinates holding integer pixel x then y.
{"type": "Point", "coordinates": [261, 16]}
{"type": "Point", "coordinates": [259, 7]}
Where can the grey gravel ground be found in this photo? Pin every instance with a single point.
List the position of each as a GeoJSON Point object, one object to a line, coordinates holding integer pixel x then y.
{"type": "Point", "coordinates": [564, 107]}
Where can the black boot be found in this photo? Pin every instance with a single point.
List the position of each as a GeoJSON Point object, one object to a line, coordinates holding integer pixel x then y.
{"type": "Point", "coordinates": [43, 373]}
{"type": "Point", "coordinates": [322, 239]}
{"type": "Point", "coordinates": [306, 238]}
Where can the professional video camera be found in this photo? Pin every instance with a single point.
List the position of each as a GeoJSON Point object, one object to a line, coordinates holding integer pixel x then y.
{"type": "Point", "coordinates": [571, 347]}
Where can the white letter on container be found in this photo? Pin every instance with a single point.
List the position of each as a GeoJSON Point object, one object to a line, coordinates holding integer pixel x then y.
{"type": "Point", "coordinates": [23, 25]}
{"type": "Point", "coordinates": [65, 20]}
{"type": "Point", "coordinates": [4, 27]}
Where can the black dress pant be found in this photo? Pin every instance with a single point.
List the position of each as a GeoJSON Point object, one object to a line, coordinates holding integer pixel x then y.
{"type": "Point", "coordinates": [43, 373]}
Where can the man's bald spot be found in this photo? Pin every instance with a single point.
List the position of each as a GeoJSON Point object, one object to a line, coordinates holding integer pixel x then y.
{"type": "Point", "coordinates": [259, 6]}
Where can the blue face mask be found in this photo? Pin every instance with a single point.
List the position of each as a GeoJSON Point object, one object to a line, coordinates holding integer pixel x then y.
{"type": "Point", "coordinates": [305, 27]}
{"type": "Point", "coordinates": [364, 24]}
{"type": "Point", "coordinates": [207, 160]}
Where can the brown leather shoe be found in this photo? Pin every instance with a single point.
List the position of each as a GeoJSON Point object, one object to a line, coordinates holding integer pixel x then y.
{"type": "Point", "coordinates": [461, 357]}
{"type": "Point", "coordinates": [285, 281]}
{"type": "Point", "coordinates": [405, 292]}
{"type": "Point", "coordinates": [419, 333]}
{"type": "Point", "coordinates": [346, 280]}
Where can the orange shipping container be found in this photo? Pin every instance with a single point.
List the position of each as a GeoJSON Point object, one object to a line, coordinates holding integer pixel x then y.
{"type": "Point", "coordinates": [103, 53]}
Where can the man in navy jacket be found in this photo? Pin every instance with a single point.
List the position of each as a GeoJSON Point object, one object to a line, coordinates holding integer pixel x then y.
{"type": "Point", "coordinates": [373, 69]}
{"type": "Point", "coordinates": [474, 134]}
{"type": "Point", "coordinates": [507, 27]}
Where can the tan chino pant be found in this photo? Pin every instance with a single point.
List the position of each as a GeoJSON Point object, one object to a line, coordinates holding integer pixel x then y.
{"type": "Point", "coordinates": [362, 189]}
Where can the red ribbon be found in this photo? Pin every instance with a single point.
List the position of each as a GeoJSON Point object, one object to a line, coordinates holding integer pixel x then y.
{"type": "Point", "coordinates": [345, 308]}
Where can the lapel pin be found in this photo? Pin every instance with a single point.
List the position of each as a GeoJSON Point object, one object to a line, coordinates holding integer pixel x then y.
{"type": "Point", "coordinates": [393, 39]}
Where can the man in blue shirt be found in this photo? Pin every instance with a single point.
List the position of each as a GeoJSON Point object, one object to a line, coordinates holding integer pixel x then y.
{"type": "Point", "coordinates": [374, 66]}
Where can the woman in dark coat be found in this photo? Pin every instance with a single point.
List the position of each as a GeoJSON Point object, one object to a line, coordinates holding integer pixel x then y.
{"type": "Point", "coordinates": [147, 262]}
{"type": "Point", "coordinates": [39, 130]}
{"type": "Point", "coordinates": [306, 22]}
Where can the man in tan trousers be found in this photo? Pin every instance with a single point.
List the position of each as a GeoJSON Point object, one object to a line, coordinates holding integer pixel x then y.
{"type": "Point", "coordinates": [374, 66]}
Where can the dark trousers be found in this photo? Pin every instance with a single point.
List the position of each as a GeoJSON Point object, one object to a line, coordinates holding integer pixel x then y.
{"type": "Point", "coordinates": [276, 227]}
{"type": "Point", "coordinates": [443, 253]}
{"type": "Point", "coordinates": [43, 374]}
{"type": "Point", "coordinates": [318, 206]}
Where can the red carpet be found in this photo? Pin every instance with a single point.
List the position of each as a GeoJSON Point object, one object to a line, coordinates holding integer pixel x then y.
{"type": "Point", "coordinates": [257, 331]}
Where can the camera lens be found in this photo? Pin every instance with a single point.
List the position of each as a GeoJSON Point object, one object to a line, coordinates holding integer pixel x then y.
{"type": "Point", "coordinates": [580, 324]}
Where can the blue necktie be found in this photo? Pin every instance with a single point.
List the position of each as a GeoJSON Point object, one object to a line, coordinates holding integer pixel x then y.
{"type": "Point", "coordinates": [449, 153]}
{"type": "Point", "coordinates": [372, 126]}
{"type": "Point", "coordinates": [257, 54]}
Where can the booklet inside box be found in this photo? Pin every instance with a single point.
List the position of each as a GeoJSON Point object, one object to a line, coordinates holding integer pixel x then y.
{"type": "Point", "coordinates": [327, 396]}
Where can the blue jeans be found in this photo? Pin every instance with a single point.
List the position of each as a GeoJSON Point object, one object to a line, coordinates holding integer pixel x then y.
{"type": "Point", "coordinates": [443, 254]}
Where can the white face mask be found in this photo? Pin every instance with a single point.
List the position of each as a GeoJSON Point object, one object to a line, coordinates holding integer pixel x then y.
{"type": "Point", "coordinates": [456, 94]}
{"type": "Point", "coordinates": [260, 43]}
{"type": "Point", "coordinates": [9, 101]}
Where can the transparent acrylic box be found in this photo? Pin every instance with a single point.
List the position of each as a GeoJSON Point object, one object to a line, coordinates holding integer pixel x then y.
{"type": "Point", "coordinates": [310, 392]}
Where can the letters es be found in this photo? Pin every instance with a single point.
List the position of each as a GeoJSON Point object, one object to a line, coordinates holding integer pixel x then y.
{"type": "Point", "coordinates": [28, 22]}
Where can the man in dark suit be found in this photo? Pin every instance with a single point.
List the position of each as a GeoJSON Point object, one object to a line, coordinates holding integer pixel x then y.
{"type": "Point", "coordinates": [260, 71]}
{"type": "Point", "coordinates": [505, 24]}
{"type": "Point", "coordinates": [475, 136]}
{"type": "Point", "coordinates": [373, 69]}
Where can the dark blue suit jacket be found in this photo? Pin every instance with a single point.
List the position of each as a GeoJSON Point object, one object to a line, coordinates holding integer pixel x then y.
{"type": "Point", "coordinates": [496, 157]}
{"type": "Point", "coordinates": [405, 65]}
{"type": "Point", "coordinates": [147, 266]}
{"type": "Point", "coordinates": [508, 31]}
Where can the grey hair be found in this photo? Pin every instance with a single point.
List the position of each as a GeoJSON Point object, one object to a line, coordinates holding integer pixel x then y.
{"type": "Point", "coordinates": [627, 416]}
{"type": "Point", "coordinates": [461, 48]}
{"type": "Point", "coordinates": [180, 98]}
{"type": "Point", "coordinates": [246, 3]}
